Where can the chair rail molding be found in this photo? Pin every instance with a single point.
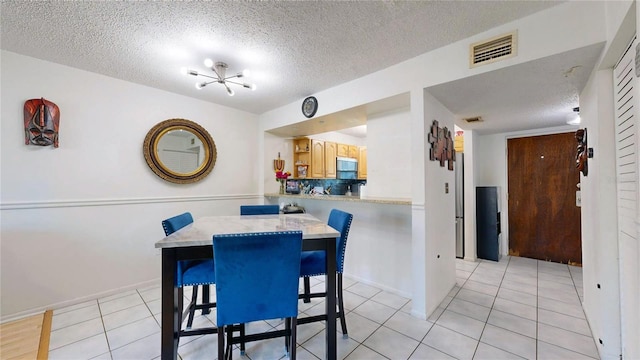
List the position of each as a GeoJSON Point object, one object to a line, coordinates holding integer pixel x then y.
{"type": "Point", "coordinates": [23, 205]}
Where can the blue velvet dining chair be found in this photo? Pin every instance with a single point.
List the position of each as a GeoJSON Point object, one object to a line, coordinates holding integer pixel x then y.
{"type": "Point", "coordinates": [193, 273]}
{"type": "Point", "coordinates": [314, 263]}
{"type": "Point", "coordinates": [259, 209]}
{"type": "Point", "coordinates": [257, 279]}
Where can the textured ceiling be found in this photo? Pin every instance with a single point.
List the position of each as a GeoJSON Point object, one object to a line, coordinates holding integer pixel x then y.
{"type": "Point", "coordinates": [294, 49]}
{"type": "Point", "coordinates": [535, 94]}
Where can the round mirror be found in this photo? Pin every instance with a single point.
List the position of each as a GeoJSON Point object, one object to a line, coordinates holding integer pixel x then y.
{"type": "Point", "coordinates": [179, 151]}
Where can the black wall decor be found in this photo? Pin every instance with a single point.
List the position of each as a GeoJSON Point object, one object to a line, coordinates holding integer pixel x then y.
{"type": "Point", "coordinates": [582, 151]}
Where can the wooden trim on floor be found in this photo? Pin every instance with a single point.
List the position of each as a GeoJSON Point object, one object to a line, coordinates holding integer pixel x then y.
{"type": "Point", "coordinates": [45, 335]}
{"type": "Point", "coordinates": [27, 338]}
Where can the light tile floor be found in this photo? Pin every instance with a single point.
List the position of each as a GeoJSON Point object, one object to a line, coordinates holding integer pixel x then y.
{"type": "Point", "coordinates": [513, 309]}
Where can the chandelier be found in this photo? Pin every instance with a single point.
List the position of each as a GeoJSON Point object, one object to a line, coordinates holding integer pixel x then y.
{"type": "Point", "coordinates": [220, 76]}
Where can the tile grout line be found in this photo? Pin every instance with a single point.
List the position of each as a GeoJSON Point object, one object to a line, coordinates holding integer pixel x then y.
{"type": "Point", "coordinates": [491, 309]}
{"type": "Point", "coordinates": [453, 297]}
{"type": "Point", "coordinates": [105, 329]}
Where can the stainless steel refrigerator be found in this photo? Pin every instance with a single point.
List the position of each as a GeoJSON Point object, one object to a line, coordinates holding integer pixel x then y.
{"type": "Point", "coordinates": [459, 174]}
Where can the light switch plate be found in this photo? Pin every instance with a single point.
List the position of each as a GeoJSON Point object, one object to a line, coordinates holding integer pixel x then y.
{"type": "Point", "coordinates": [578, 199]}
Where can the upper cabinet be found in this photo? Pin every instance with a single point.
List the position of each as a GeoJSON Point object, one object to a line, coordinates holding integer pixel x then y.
{"type": "Point", "coordinates": [362, 162]}
{"type": "Point", "coordinates": [353, 151]}
{"type": "Point", "coordinates": [301, 157]}
{"type": "Point", "coordinates": [330, 153]}
{"type": "Point", "coordinates": [317, 159]}
{"type": "Point", "coordinates": [343, 150]}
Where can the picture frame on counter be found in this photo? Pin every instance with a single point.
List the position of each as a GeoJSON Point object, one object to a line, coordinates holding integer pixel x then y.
{"type": "Point", "coordinates": [302, 171]}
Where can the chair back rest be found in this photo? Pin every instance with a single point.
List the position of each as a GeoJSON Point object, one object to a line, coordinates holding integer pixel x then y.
{"type": "Point", "coordinates": [257, 276]}
{"type": "Point", "coordinates": [341, 221]}
{"type": "Point", "coordinates": [259, 209]}
{"type": "Point", "coordinates": [176, 223]}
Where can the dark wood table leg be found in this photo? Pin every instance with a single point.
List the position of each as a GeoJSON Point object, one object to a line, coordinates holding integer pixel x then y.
{"type": "Point", "coordinates": [331, 300]}
{"type": "Point", "coordinates": [170, 330]}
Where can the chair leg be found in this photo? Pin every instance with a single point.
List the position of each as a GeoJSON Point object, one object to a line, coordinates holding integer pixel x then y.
{"type": "Point", "coordinates": [229, 347]}
{"type": "Point", "coordinates": [180, 314]}
{"type": "Point", "coordinates": [192, 306]}
{"type": "Point", "coordinates": [287, 337]}
{"type": "Point", "coordinates": [292, 346]}
{"type": "Point", "coordinates": [242, 344]}
{"type": "Point", "coordinates": [205, 299]}
{"type": "Point", "coordinates": [343, 321]}
{"type": "Point", "coordinates": [307, 290]}
{"type": "Point", "coordinates": [220, 342]}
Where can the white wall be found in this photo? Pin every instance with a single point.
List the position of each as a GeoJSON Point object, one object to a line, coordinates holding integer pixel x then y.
{"type": "Point", "coordinates": [389, 154]}
{"type": "Point", "coordinates": [439, 216]}
{"type": "Point", "coordinates": [470, 174]}
{"type": "Point", "coordinates": [80, 221]}
{"type": "Point", "coordinates": [599, 216]}
{"type": "Point", "coordinates": [337, 137]}
{"type": "Point", "coordinates": [273, 145]}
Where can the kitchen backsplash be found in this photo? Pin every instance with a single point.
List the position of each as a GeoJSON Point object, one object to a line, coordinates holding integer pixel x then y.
{"type": "Point", "coordinates": [334, 186]}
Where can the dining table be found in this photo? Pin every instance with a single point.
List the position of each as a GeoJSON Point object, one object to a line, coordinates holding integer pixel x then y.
{"type": "Point", "coordinates": [195, 241]}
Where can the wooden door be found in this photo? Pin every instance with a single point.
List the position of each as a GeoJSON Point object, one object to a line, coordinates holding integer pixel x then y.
{"type": "Point", "coordinates": [317, 159]}
{"type": "Point", "coordinates": [544, 221]}
{"type": "Point", "coordinates": [330, 152]}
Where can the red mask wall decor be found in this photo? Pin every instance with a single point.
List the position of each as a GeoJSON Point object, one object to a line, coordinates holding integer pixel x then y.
{"type": "Point", "coordinates": [41, 122]}
{"type": "Point", "coordinates": [582, 151]}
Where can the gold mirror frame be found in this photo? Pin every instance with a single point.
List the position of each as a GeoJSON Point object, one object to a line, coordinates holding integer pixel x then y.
{"type": "Point", "coordinates": [150, 150]}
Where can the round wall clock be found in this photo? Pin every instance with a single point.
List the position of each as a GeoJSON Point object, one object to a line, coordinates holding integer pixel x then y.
{"type": "Point", "coordinates": [309, 106]}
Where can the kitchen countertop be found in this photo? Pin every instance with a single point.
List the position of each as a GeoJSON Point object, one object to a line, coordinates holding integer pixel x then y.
{"type": "Point", "coordinates": [376, 200]}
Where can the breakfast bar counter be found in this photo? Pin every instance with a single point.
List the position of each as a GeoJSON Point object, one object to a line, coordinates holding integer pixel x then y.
{"type": "Point", "coordinates": [374, 200]}
{"type": "Point", "coordinates": [379, 251]}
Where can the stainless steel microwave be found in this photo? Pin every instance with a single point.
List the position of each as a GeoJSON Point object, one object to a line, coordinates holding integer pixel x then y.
{"type": "Point", "coordinates": [346, 168]}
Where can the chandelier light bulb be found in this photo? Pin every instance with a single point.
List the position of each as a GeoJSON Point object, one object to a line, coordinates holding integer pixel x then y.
{"type": "Point", "coordinates": [219, 76]}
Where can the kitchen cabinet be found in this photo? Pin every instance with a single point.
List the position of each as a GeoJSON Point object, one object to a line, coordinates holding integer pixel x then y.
{"type": "Point", "coordinates": [458, 143]}
{"type": "Point", "coordinates": [301, 157]}
{"type": "Point", "coordinates": [316, 159]}
{"type": "Point", "coordinates": [316, 169]}
{"type": "Point", "coordinates": [343, 150]}
{"type": "Point", "coordinates": [330, 153]}
{"type": "Point", "coordinates": [353, 151]}
{"type": "Point", "coordinates": [362, 162]}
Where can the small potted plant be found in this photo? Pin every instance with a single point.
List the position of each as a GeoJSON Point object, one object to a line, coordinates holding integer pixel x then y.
{"type": "Point", "coordinates": [282, 178]}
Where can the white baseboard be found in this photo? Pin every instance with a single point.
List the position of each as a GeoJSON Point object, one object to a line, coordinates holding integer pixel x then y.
{"type": "Point", "coordinates": [63, 304]}
{"type": "Point", "coordinates": [379, 286]}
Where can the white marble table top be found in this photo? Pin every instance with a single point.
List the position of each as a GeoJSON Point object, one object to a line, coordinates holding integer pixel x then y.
{"type": "Point", "coordinates": [202, 230]}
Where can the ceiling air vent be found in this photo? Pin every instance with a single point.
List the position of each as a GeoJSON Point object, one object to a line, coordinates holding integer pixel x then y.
{"type": "Point", "coordinates": [492, 50]}
{"type": "Point", "coordinates": [473, 119]}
